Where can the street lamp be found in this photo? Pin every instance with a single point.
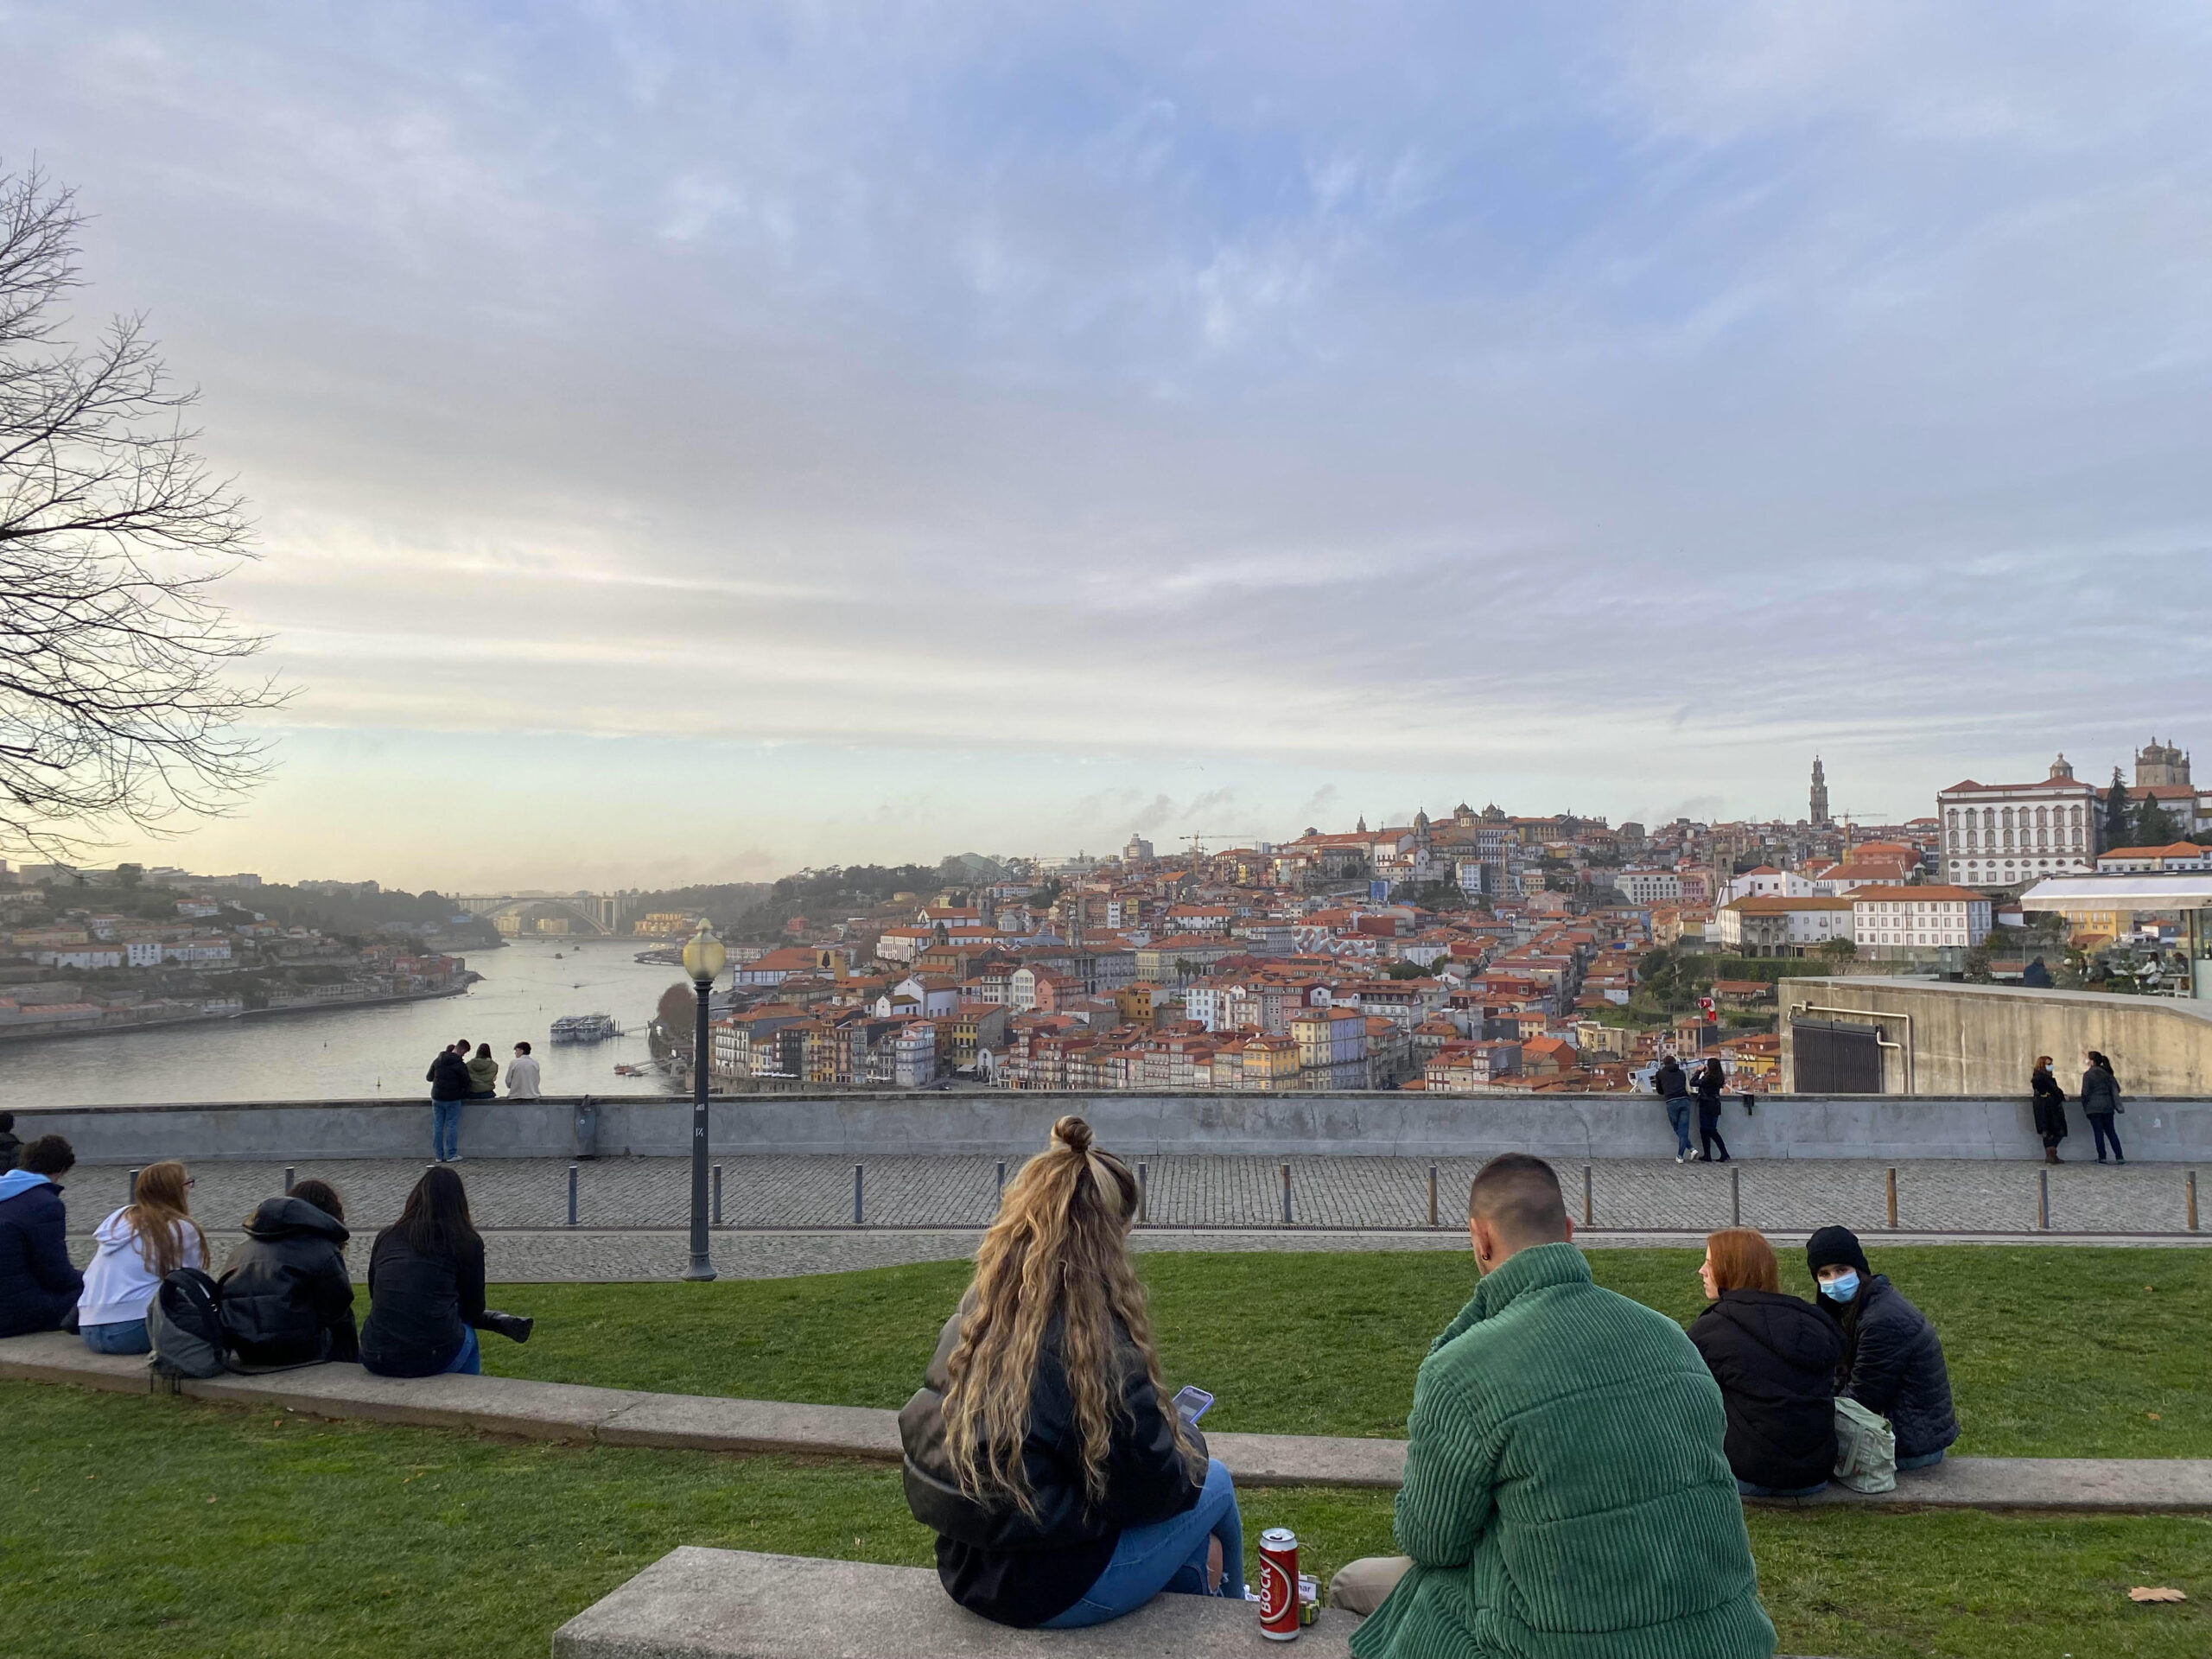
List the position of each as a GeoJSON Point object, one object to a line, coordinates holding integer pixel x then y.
{"type": "Point", "coordinates": [703, 959]}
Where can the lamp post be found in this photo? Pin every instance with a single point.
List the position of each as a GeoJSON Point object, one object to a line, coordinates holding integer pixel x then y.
{"type": "Point", "coordinates": [703, 959]}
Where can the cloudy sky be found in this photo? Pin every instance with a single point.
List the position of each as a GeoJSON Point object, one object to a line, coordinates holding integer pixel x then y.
{"type": "Point", "coordinates": [691, 442]}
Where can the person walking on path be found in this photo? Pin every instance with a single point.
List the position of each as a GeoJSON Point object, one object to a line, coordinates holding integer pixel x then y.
{"type": "Point", "coordinates": [1675, 1089]}
{"type": "Point", "coordinates": [1064, 1489]}
{"type": "Point", "coordinates": [522, 1074]}
{"type": "Point", "coordinates": [1566, 1487]}
{"type": "Point", "coordinates": [1710, 1081]}
{"type": "Point", "coordinates": [1892, 1359]}
{"type": "Point", "coordinates": [1775, 1358]}
{"type": "Point", "coordinates": [39, 1285]}
{"type": "Point", "coordinates": [448, 1080]}
{"type": "Point", "coordinates": [288, 1299]}
{"type": "Point", "coordinates": [2049, 1108]}
{"type": "Point", "coordinates": [483, 1073]}
{"type": "Point", "coordinates": [133, 1249]}
{"type": "Point", "coordinates": [2100, 1101]}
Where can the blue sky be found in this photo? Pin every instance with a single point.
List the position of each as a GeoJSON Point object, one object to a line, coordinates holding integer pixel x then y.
{"type": "Point", "coordinates": [699, 441]}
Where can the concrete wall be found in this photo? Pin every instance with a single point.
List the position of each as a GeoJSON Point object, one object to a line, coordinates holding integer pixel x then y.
{"type": "Point", "coordinates": [1983, 1039]}
{"type": "Point", "coordinates": [1013, 1125]}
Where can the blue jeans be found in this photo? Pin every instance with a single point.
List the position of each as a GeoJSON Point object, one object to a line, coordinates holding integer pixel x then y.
{"type": "Point", "coordinates": [1169, 1555]}
{"type": "Point", "coordinates": [2100, 1124]}
{"type": "Point", "coordinates": [1925, 1460]}
{"type": "Point", "coordinates": [124, 1337]}
{"type": "Point", "coordinates": [445, 1129]}
{"type": "Point", "coordinates": [1678, 1114]}
{"type": "Point", "coordinates": [1745, 1489]}
{"type": "Point", "coordinates": [469, 1362]}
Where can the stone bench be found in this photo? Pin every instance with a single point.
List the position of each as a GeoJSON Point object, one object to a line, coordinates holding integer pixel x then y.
{"type": "Point", "coordinates": [568, 1411]}
{"type": "Point", "coordinates": [736, 1604]}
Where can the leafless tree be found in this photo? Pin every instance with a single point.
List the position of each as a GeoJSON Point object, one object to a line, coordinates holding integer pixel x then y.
{"type": "Point", "coordinates": [118, 705]}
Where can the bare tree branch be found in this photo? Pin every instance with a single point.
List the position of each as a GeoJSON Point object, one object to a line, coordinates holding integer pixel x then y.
{"type": "Point", "coordinates": [118, 705]}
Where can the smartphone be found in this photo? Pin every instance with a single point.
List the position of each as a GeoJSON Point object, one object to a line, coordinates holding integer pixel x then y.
{"type": "Point", "coordinates": [1191, 1403]}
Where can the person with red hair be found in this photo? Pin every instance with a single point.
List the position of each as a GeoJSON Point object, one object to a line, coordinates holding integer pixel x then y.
{"type": "Point", "coordinates": [1775, 1358]}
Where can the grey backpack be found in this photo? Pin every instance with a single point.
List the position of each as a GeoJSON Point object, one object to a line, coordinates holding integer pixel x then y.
{"type": "Point", "coordinates": [184, 1322]}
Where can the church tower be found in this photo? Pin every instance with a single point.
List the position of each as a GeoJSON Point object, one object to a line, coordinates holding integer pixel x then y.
{"type": "Point", "coordinates": [1820, 794]}
{"type": "Point", "coordinates": [2160, 766]}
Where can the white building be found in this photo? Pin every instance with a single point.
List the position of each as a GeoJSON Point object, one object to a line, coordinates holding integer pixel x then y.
{"type": "Point", "coordinates": [1763, 923]}
{"type": "Point", "coordinates": [1649, 887]}
{"type": "Point", "coordinates": [1767, 882]}
{"type": "Point", "coordinates": [1999, 835]}
{"type": "Point", "coordinates": [1923, 917]}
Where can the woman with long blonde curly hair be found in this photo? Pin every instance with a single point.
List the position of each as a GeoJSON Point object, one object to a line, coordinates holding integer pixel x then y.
{"type": "Point", "coordinates": [133, 1249]}
{"type": "Point", "coordinates": [1063, 1488]}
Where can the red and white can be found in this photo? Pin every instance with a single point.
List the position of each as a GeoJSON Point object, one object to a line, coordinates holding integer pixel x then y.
{"type": "Point", "coordinates": [1279, 1584]}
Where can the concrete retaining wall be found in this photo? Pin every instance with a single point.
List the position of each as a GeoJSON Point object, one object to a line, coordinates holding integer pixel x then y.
{"type": "Point", "coordinates": [1013, 1124]}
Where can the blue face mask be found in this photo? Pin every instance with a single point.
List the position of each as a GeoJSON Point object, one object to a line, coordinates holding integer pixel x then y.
{"type": "Point", "coordinates": [1841, 1288]}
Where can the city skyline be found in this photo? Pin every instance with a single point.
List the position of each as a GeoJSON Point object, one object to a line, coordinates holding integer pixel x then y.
{"type": "Point", "coordinates": [696, 449]}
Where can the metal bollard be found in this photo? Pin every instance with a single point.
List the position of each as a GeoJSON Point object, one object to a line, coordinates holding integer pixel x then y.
{"type": "Point", "coordinates": [1586, 1195]}
{"type": "Point", "coordinates": [1735, 1197]}
{"type": "Point", "coordinates": [1286, 1195]}
{"type": "Point", "coordinates": [2042, 1200]}
{"type": "Point", "coordinates": [2192, 1185]}
{"type": "Point", "coordinates": [572, 1195]}
{"type": "Point", "coordinates": [718, 1195]}
{"type": "Point", "coordinates": [133, 1198]}
{"type": "Point", "coordinates": [1002, 1177]}
{"type": "Point", "coordinates": [1892, 1185]}
{"type": "Point", "coordinates": [1144, 1191]}
{"type": "Point", "coordinates": [857, 1195]}
{"type": "Point", "coordinates": [1432, 1195]}
{"type": "Point", "coordinates": [291, 1176]}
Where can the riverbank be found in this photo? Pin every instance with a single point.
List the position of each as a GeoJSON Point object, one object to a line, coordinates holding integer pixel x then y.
{"type": "Point", "coordinates": [101, 1029]}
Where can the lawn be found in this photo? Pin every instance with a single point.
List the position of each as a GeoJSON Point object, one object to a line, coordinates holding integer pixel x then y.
{"type": "Point", "coordinates": [2054, 1350]}
{"type": "Point", "coordinates": [138, 1525]}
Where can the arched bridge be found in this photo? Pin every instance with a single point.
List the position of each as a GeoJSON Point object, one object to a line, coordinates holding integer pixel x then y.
{"type": "Point", "coordinates": [601, 912]}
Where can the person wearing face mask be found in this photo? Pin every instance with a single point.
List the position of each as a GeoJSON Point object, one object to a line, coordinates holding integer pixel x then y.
{"type": "Point", "coordinates": [1892, 1359]}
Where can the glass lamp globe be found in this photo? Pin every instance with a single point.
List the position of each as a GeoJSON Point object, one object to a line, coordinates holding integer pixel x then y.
{"type": "Point", "coordinates": [704, 956]}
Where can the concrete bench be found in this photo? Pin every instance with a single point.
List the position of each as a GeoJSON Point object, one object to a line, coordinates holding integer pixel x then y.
{"type": "Point", "coordinates": [736, 1604]}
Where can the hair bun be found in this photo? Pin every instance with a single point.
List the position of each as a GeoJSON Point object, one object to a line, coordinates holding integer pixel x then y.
{"type": "Point", "coordinates": [1072, 1133]}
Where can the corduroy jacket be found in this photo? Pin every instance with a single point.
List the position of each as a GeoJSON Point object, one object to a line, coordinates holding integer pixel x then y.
{"type": "Point", "coordinates": [1567, 1492]}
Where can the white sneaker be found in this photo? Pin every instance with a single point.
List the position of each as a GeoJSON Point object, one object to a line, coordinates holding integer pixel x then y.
{"type": "Point", "coordinates": [1679, 1156]}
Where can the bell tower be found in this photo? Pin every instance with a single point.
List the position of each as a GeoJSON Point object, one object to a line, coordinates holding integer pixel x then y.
{"type": "Point", "coordinates": [1820, 802]}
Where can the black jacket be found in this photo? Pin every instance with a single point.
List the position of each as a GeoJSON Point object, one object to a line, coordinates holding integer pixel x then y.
{"type": "Point", "coordinates": [2051, 1105]}
{"type": "Point", "coordinates": [1670, 1081]}
{"type": "Point", "coordinates": [448, 1077]}
{"type": "Point", "coordinates": [1709, 1090]}
{"type": "Point", "coordinates": [38, 1283]}
{"type": "Point", "coordinates": [1893, 1365]}
{"type": "Point", "coordinates": [997, 1561]}
{"type": "Point", "coordinates": [287, 1297]}
{"type": "Point", "coordinates": [419, 1306]}
{"type": "Point", "coordinates": [1775, 1358]}
{"type": "Point", "coordinates": [10, 1145]}
{"type": "Point", "coordinates": [2100, 1090]}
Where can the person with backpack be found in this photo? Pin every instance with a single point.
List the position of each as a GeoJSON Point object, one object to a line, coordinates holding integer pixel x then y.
{"type": "Point", "coordinates": [426, 1287]}
{"type": "Point", "coordinates": [287, 1298]}
{"type": "Point", "coordinates": [448, 1080]}
{"type": "Point", "coordinates": [1892, 1359]}
{"type": "Point", "coordinates": [39, 1285]}
{"type": "Point", "coordinates": [2100, 1100]}
{"type": "Point", "coordinates": [136, 1248]}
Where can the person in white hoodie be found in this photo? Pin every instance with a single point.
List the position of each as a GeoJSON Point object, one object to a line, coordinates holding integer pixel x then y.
{"type": "Point", "coordinates": [138, 1246]}
{"type": "Point", "coordinates": [522, 1074]}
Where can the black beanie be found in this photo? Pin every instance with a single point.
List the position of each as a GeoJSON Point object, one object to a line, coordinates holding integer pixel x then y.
{"type": "Point", "coordinates": [1835, 1247]}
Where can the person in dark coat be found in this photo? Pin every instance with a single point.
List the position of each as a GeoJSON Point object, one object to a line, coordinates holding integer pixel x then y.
{"type": "Point", "coordinates": [426, 1287]}
{"type": "Point", "coordinates": [39, 1285]}
{"type": "Point", "coordinates": [1892, 1361]}
{"type": "Point", "coordinates": [448, 1080]}
{"type": "Point", "coordinates": [287, 1298]}
{"type": "Point", "coordinates": [1775, 1358]}
{"type": "Point", "coordinates": [1675, 1089]}
{"type": "Point", "coordinates": [2100, 1100]}
{"type": "Point", "coordinates": [1710, 1080]}
{"type": "Point", "coordinates": [10, 1145]}
{"type": "Point", "coordinates": [2050, 1107]}
{"type": "Point", "coordinates": [1063, 1496]}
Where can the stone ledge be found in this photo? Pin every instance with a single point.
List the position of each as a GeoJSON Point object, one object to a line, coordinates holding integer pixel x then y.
{"type": "Point", "coordinates": [568, 1411]}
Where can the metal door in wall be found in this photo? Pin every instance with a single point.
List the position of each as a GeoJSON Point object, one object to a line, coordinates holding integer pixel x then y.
{"type": "Point", "coordinates": [1835, 1056]}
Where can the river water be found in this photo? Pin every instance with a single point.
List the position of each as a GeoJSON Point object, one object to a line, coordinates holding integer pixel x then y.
{"type": "Point", "coordinates": [360, 1053]}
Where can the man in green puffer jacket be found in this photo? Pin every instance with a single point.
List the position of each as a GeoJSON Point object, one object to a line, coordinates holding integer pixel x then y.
{"type": "Point", "coordinates": [1566, 1494]}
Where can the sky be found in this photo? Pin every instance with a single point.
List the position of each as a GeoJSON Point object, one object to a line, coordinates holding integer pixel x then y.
{"type": "Point", "coordinates": [690, 442]}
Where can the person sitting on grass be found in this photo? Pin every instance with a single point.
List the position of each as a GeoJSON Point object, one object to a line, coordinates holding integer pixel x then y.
{"type": "Point", "coordinates": [133, 1249]}
{"type": "Point", "coordinates": [39, 1285]}
{"type": "Point", "coordinates": [1775, 1358]}
{"type": "Point", "coordinates": [287, 1297]}
{"type": "Point", "coordinates": [1567, 1492]}
{"type": "Point", "coordinates": [1063, 1489]}
{"type": "Point", "coordinates": [426, 1287]}
{"type": "Point", "coordinates": [1892, 1359]}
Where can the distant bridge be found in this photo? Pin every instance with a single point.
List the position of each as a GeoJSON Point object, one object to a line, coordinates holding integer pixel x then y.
{"type": "Point", "coordinates": [601, 913]}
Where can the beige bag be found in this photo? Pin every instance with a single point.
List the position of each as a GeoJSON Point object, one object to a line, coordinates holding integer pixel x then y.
{"type": "Point", "coordinates": [1865, 1449]}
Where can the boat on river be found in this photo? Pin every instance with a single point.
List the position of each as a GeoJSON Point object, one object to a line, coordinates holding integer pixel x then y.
{"type": "Point", "coordinates": [585, 1028]}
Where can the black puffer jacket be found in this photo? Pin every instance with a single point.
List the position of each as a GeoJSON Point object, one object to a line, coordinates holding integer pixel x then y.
{"type": "Point", "coordinates": [1775, 1358]}
{"type": "Point", "coordinates": [287, 1297]}
{"type": "Point", "coordinates": [418, 1305]}
{"type": "Point", "coordinates": [997, 1561]}
{"type": "Point", "coordinates": [448, 1077]}
{"type": "Point", "coordinates": [1670, 1081]}
{"type": "Point", "coordinates": [1893, 1364]}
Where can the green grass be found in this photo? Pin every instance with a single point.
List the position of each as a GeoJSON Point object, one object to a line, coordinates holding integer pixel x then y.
{"type": "Point", "coordinates": [2054, 1351]}
{"type": "Point", "coordinates": [136, 1524]}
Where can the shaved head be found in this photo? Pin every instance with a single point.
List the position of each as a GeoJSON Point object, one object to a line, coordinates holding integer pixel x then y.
{"type": "Point", "coordinates": [1519, 1198]}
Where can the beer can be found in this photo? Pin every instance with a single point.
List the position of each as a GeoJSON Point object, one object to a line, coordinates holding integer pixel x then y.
{"type": "Point", "coordinates": [1279, 1599]}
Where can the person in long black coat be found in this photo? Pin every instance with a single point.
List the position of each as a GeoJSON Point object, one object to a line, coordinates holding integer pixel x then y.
{"type": "Point", "coordinates": [288, 1299]}
{"type": "Point", "coordinates": [1892, 1361]}
{"type": "Point", "coordinates": [2051, 1108]}
{"type": "Point", "coordinates": [1775, 1358]}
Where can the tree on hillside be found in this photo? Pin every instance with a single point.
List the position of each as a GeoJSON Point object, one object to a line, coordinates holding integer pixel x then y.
{"type": "Point", "coordinates": [2154, 825]}
{"type": "Point", "coordinates": [115, 704]}
{"type": "Point", "coordinates": [2118, 827]}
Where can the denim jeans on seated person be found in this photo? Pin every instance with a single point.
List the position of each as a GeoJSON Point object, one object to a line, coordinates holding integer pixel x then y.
{"type": "Point", "coordinates": [1168, 1555]}
{"type": "Point", "coordinates": [1744, 1488]}
{"type": "Point", "coordinates": [122, 1337]}
{"type": "Point", "coordinates": [1925, 1460]}
{"type": "Point", "coordinates": [469, 1362]}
